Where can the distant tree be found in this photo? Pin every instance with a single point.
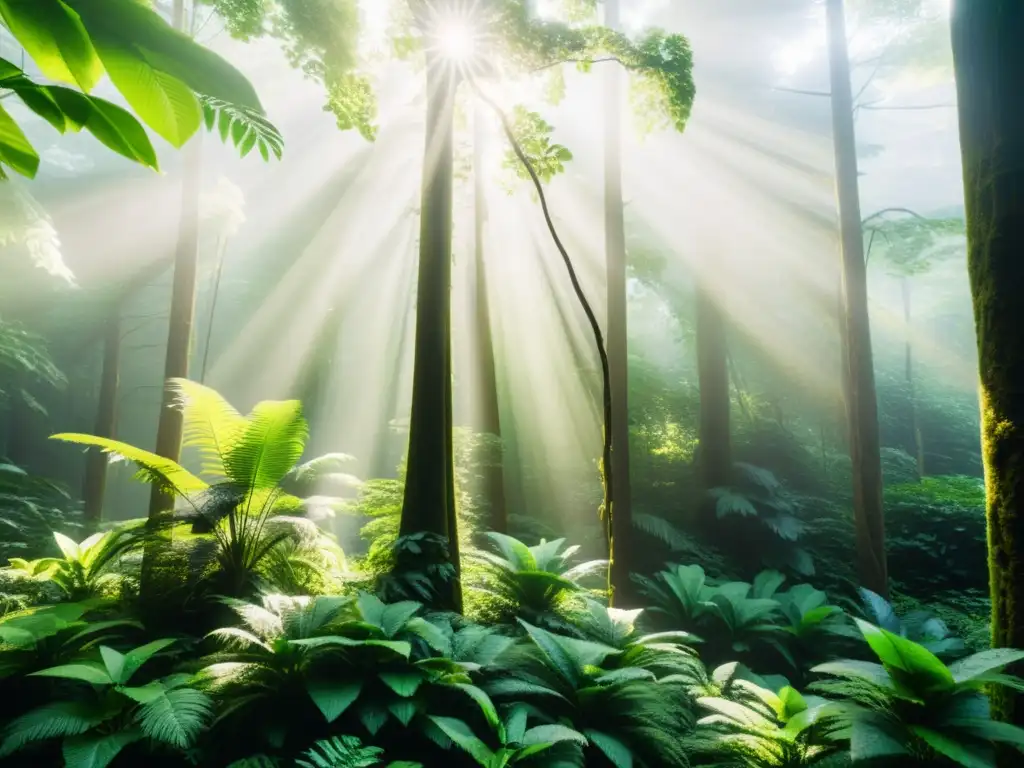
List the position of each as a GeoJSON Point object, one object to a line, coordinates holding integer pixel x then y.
{"type": "Point", "coordinates": [989, 70]}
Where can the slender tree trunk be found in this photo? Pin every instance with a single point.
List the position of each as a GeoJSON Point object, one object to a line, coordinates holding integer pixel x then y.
{"type": "Point", "coordinates": [315, 379]}
{"type": "Point", "coordinates": [493, 489]}
{"type": "Point", "coordinates": [861, 401]}
{"type": "Point", "coordinates": [713, 377]}
{"type": "Point", "coordinates": [618, 350]}
{"type": "Point", "coordinates": [222, 245]}
{"type": "Point", "coordinates": [183, 302]}
{"type": "Point", "coordinates": [106, 419]}
{"type": "Point", "coordinates": [429, 502]}
{"type": "Point", "coordinates": [989, 63]}
{"type": "Point", "coordinates": [908, 355]}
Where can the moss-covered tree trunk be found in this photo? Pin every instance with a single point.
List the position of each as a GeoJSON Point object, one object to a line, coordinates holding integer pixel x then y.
{"type": "Point", "coordinates": [106, 419]}
{"type": "Point", "coordinates": [489, 415]}
{"type": "Point", "coordinates": [989, 58]}
{"type": "Point", "coordinates": [429, 502]}
{"type": "Point", "coordinates": [715, 458]}
{"type": "Point", "coordinates": [861, 398]}
{"type": "Point", "coordinates": [618, 348]}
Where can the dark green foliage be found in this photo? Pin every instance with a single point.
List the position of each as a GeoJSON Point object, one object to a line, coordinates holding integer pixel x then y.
{"type": "Point", "coordinates": [936, 534]}
{"type": "Point", "coordinates": [32, 509]}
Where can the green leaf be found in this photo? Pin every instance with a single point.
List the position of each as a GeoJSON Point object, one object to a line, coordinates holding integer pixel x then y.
{"type": "Point", "coordinates": [96, 750]}
{"type": "Point", "coordinates": [403, 710]}
{"type": "Point", "coordinates": [897, 652]}
{"type": "Point", "coordinates": [85, 672]}
{"type": "Point", "coordinates": [870, 739]}
{"type": "Point", "coordinates": [979, 664]}
{"type": "Point", "coordinates": [136, 657]}
{"type": "Point", "coordinates": [176, 717]}
{"type": "Point", "coordinates": [463, 736]}
{"type": "Point", "coordinates": [618, 754]}
{"type": "Point", "coordinates": [552, 734]}
{"type": "Point", "coordinates": [969, 755]}
{"type": "Point", "coordinates": [53, 35]}
{"type": "Point", "coordinates": [114, 662]}
{"type": "Point", "coordinates": [989, 730]}
{"type": "Point", "coordinates": [162, 471]}
{"type": "Point", "coordinates": [163, 102]}
{"type": "Point", "coordinates": [332, 699]}
{"type": "Point", "coordinates": [396, 615]}
{"type": "Point", "coordinates": [404, 683]}
{"type": "Point", "coordinates": [58, 720]}
{"type": "Point", "coordinates": [166, 49]}
{"type": "Point", "coordinates": [15, 149]}
{"type": "Point", "coordinates": [483, 701]}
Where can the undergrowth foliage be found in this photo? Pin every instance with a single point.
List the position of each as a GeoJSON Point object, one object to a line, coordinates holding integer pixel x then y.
{"type": "Point", "coordinates": [277, 650]}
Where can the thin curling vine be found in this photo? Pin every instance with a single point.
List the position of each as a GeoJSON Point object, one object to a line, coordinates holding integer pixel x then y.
{"type": "Point", "coordinates": [607, 476]}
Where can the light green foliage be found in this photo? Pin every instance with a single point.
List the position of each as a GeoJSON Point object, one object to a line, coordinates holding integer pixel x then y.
{"type": "Point", "coordinates": [85, 569]}
{"type": "Point", "coordinates": [909, 245]}
{"type": "Point", "coordinates": [160, 72]}
{"type": "Point", "coordinates": [757, 728]}
{"type": "Point", "coordinates": [167, 711]}
{"type": "Point", "coordinates": [914, 708]}
{"type": "Point", "coordinates": [533, 134]}
{"type": "Point", "coordinates": [920, 626]}
{"type": "Point", "coordinates": [539, 584]}
{"type": "Point", "coordinates": [259, 529]}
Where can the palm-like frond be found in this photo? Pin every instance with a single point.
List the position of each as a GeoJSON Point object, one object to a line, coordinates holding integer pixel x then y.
{"type": "Point", "coordinates": [340, 752]}
{"type": "Point", "coordinates": [175, 715]}
{"type": "Point", "coordinates": [244, 127]}
{"type": "Point", "coordinates": [269, 447]}
{"type": "Point", "coordinates": [211, 424]}
{"type": "Point", "coordinates": [57, 720]}
{"type": "Point", "coordinates": [164, 473]}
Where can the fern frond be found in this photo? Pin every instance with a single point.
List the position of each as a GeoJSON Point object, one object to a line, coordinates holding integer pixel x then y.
{"type": "Point", "coordinates": [53, 721]}
{"type": "Point", "coordinates": [175, 716]}
{"type": "Point", "coordinates": [340, 752]}
{"type": "Point", "coordinates": [271, 444]}
{"type": "Point", "coordinates": [211, 424]}
{"type": "Point", "coordinates": [166, 474]}
{"type": "Point", "coordinates": [245, 128]}
{"type": "Point", "coordinates": [663, 530]}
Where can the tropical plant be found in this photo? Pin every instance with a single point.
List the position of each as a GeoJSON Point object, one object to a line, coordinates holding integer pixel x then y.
{"type": "Point", "coordinates": [628, 719]}
{"type": "Point", "coordinates": [245, 521]}
{"type": "Point", "coordinates": [756, 728]}
{"type": "Point", "coordinates": [32, 509]}
{"type": "Point", "coordinates": [538, 584]}
{"type": "Point", "coordinates": [161, 73]}
{"type": "Point", "coordinates": [913, 708]}
{"type": "Point", "coordinates": [920, 626]}
{"type": "Point", "coordinates": [113, 714]}
{"type": "Point", "coordinates": [49, 635]}
{"type": "Point", "coordinates": [761, 503]}
{"type": "Point", "coordinates": [90, 568]}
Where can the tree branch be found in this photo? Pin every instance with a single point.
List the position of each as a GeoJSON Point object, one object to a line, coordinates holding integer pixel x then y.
{"type": "Point", "coordinates": [601, 60]}
{"type": "Point", "coordinates": [606, 454]}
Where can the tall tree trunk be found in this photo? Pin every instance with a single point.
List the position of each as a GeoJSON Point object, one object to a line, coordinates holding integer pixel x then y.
{"type": "Point", "coordinates": [183, 302]}
{"type": "Point", "coordinates": [989, 62]}
{"type": "Point", "coordinates": [106, 419]}
{"type": "Point", "coordinates": [861, 401]}
{"type": "Point", "coordinates": [314, 382]}
{"type": "Point", "coordinates": [713, 378]}
{"type": "Point", "coordinates": [429, 501]}
{"type": "Point", "coordinates": [493, 481]}
{"type": "Point", "coordinates": [618, 351]}
{"type": "Point", "coordinates": [908, 359]}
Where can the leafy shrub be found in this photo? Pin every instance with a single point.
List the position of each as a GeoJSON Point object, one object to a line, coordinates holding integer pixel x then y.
{"type": "Point", "coordinates": [935, 533]}
{"type": "Point", "coordinates": [912, 708]}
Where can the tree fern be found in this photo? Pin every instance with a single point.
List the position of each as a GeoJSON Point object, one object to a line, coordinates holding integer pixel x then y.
{"type": "Point", "coordinates": [175, 715]}
{"type": "Point", "coordinates": [340, 752]}
{"type": "Point", "coordinates": [211, 424]}
{"type": "Point", "coordinates": [270, 446]}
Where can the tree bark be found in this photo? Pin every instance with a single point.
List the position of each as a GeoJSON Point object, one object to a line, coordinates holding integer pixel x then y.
{"type": "Point", "coordinates": [493, 480]}
{"type": "Point", "coordinates": [713, 378]}
{"type": "Point", "coordinates": [429, 502]}
{"type": "Point", "coordinates": [861, 401]}
{"type": "Point", "coordinates": [106, 419]}
{"type": "Point", "coordinates": [618, 348]}
{"type": "Point", "coordinates": [989, 61]}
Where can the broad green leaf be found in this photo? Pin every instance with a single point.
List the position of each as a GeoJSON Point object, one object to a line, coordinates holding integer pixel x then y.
{"type": "Point", "coordinates": [552, 734]}
{"type": "Point", "coordinates": [332, 698]}
{"type": "Point", "coordinates": [965, 753]}
{"type": "Point", "coordinates": [396, 615]}
{"type": "Point", "coordinates": [990, 730]}
{"type": "Point", "coordinates": [163, 102]}
{"type": "Point", "coordinates": [85, 672]}
{"type": "Point", "coordinates": [618, 754]}
{"type": "Point", "coordinates": [463, 736]}
{"type": "Point", "coordinates": [53, 35]}
{"type": "Point", "coordinates": [15, 149]}
{"type": "Point", "coordinates": [92, 750]}
{"type": "Point", "coordinates": [482, 700]}
{"type": "Point", "coordinates": [922, 666]}
{"type": "Point", "coordinates": [870, 740]}
{"type": "Point", "coordinates": [68, 547]}
{"type": "Point", "coordinates": [981, 663]}
{"type": "Point", "coordinates": [404, 683]}
{"type": "Point", "coordinates": [114, 662]}
{"type": "Point", "coordinates": [403, 710]}
{"type": "Point", "coordinates": [432, 634]}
